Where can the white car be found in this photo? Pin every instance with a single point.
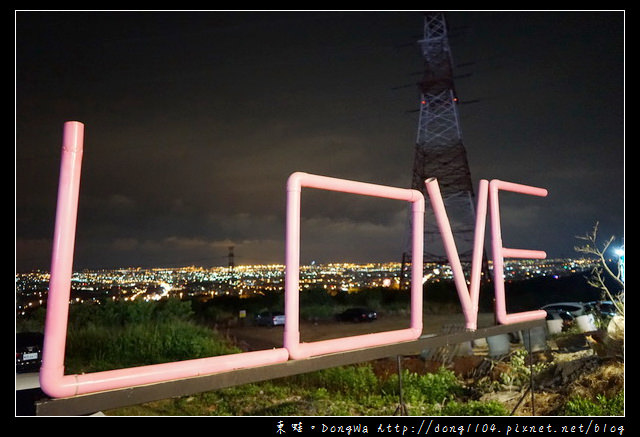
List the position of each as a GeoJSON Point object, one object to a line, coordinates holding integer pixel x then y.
{"type": "Point", "coordinates": [268, 318]}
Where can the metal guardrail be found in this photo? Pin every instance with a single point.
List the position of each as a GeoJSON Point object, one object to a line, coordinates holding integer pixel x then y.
{"type": "Point", "coordinates": [95, 402]}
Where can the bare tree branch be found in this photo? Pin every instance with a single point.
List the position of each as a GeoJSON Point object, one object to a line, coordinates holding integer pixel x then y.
{"type": "Point", "coordinates": [597, 278]}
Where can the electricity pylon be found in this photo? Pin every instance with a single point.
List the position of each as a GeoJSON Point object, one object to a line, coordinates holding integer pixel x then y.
{"type": "Point", "coordinates": [439, 150]}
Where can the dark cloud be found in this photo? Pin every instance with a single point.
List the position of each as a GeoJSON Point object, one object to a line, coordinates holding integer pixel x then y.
{"type": "Point", "coordinates": [194, 121]}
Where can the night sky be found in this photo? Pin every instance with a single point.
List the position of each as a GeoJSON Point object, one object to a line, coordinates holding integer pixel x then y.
{"type": "Point", "coordinates": [194, 121]}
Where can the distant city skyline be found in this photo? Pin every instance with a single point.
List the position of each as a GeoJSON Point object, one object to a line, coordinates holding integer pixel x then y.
{"type": "Point", "coordinates": [190, 282]}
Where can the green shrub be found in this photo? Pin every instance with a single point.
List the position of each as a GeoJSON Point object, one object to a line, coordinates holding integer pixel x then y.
{"type": "Point", "coordinates": [429, 388]}
{"type": "Point", "coordinates": [120, 313]}
{"type": "Point", "coordinates": [125, 334]}
{"type": "Point", "coordinates": [353, 381]}
{"type": "Point", "coordinates": [520, 370]}
{"type": "Point", "coordinates": [474, 408]}
{"type": "Point", "coordinates": [601, 406]}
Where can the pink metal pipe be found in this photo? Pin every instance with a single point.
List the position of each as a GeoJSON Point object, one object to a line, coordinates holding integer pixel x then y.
{"type": "Point", "coordinates": [478, 244]}
{"type": "Point", "coordinates": [53, 381]}
{"type": "Point", "coordinates": [468, 296]}
{"type": "Point", "coordinates": [57, 385]}
{"type": "Point", "coordinates": [52, 366]}
{"type": "Point", "coordinates": [500, 252]}
{"type": "Point", "coordinates": [292, 343]}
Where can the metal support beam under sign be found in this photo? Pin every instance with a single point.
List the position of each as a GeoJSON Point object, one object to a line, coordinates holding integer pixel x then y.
{"type": "Point", "coordinates": [100, 401]}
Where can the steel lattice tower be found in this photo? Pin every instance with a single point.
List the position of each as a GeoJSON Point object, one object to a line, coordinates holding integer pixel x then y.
{"type": "Point", "coordinates": [439, 150]}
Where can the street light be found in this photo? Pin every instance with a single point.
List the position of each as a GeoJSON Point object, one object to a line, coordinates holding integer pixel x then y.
{"type": "Point", "coordinates": [620, 252]}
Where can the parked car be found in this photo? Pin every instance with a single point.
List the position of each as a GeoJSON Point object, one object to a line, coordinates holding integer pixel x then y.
{"type": "Point", "coordinates": [357, 315]}
{"type": "Point", "coordinates": [28, 351]}
{"type": "Point", "coordinates": [566, 317]}
{"type": "Point", "coordinates": [270, 318]}
{"type": "Point", "coordinates": [574, 308]}
{"type": "Point", "coordinates": [565, 311]}
{"type": "Point", "coordinates": [604, 309]}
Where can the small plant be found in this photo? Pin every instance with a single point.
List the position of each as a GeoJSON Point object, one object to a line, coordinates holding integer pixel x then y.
{"type": "Point", "coordinates": [521, 369]}
{"type": "Point", "coordinates": [430, 388]}
{"type": "Point", "coordinates": [355, 381]}
{"type": "Point", "coordinates": [601, 406]}
{"type": "Point", "coordinates": [611, 284]}
{"type": "Point", "coordinates": [474, 408]}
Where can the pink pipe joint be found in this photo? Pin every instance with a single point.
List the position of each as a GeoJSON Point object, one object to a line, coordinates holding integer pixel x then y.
{"type": "Point", "coordinates": [53, 381]}
{"type": "Point", "coordinates": [292, 343]}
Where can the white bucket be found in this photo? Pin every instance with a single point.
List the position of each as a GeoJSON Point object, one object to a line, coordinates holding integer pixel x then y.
{"type": "Point", "coordinates": [479, 342]}
{"type": "Point", "coordinates": [535, 339]}
{"type": "Point", "coordinates": [554, 326]}
{"type": "Point", "coordinates": [464, 349]}
{"type": "Point", "coordinates": [498, 345]}
{"type": "Point", "coordinates": [615, 328]}
{"type": "Point", "coordinates": [586, 323]}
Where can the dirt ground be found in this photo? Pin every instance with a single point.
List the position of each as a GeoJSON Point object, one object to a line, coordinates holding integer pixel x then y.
{"type": "Point", "coordinates": [572, 369]}
{"type": "Point", "coordinates": [249, 337]}
{"type": "Point", "coordinates": [579, 373]}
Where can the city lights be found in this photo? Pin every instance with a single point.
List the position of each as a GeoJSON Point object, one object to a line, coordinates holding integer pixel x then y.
{"type": "Point", "coordinates": [256, 280]}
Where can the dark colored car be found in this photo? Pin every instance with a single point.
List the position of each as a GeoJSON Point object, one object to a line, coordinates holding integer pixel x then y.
{"type": "Point", "coordinates": [269, 318]}
{"type": "Point", "coordinates": [566, 316]}
{"type": "Point", "coordinates": [607, 309]}
{"type": "Point", "coordinates": [560, 314]}
{"type": "Point", "coordinates": [28, 351]}
{"type": "Point", "coordinates": [357, 315]}
{"type": "Point", "coordinates": [574, 308]}
{"type": "Point", "coordinates": [604, 309]}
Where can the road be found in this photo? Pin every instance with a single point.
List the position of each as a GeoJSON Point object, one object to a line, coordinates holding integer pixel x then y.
{"type": "Point", "coordinates": [251, 338]}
